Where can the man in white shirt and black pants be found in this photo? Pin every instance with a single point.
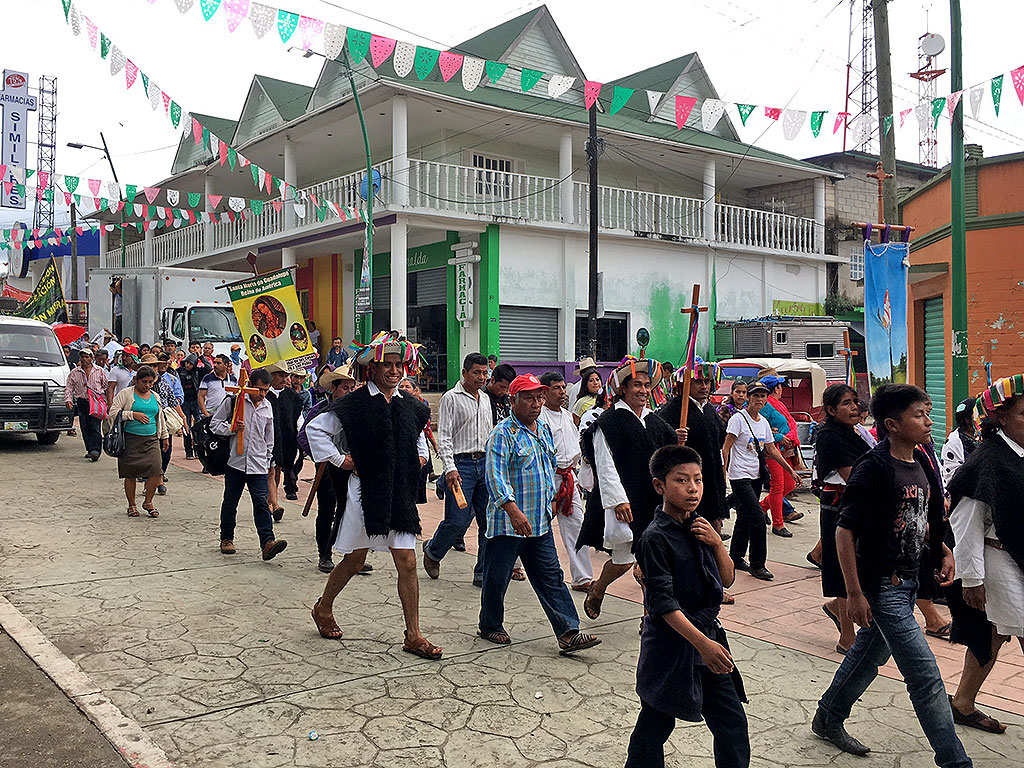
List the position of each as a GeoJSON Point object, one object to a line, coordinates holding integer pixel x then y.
{"type": "Point", "coordinates": [249, 468]}
{"type": "Point", "coordinates": [464, 423]}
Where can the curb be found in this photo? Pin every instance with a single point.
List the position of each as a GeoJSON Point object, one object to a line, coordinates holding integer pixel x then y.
{"type": "Point", "coordinates": [123, 732]}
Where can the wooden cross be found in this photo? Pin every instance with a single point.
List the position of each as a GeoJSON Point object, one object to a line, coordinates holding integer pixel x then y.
{"type": "Point", "coordinates": [692, 311]}
{"type": "Point", "coordinates": [849, 354]}
{"type": "Point", "coordinates": [238, 419]}
{"type": "Point", "coordinates": [880, 176]}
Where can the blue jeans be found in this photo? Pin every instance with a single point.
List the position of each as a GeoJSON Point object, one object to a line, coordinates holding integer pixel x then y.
{"type": "Point", "coordinates": [894, 631]}
{"type": "Point", "coordinates": [540, 560]}
{"type": "Point", "coordinates": [192, 414]}
{"type": "Point", "coordinates": [235, 482]}
{"type": "Point", "coordinates": [456, 521]}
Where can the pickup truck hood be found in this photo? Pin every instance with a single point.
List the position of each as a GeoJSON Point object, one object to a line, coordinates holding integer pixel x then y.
{"type": "Point", "coordinates": [55, 375]}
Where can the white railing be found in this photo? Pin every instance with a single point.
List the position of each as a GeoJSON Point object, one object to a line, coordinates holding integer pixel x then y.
{"type": "Point", "coordinates": [764, 229]}
{"type": "Point", "coordinates": [177, 244]}
{"type": "Point", "coordinates": [637, 211]}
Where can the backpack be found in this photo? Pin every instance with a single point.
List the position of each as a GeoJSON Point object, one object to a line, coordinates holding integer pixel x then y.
{"type": "Point", "coordinates": [312, 413]}
{"type": "Point", "coordinates": [213, 450]}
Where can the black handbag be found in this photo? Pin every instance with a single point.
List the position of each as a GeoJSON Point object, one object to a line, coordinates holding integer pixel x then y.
{"type": "Point", "coordinates": [113, 442]}
{"type": "Point", "coordinates": [762, 458]}
{"type": "Point", "coordinates": [212, 449]}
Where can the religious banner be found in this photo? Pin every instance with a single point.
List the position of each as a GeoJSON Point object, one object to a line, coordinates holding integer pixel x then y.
{"type": "Point", "coordinates": [46, 303]}
{"type": "Point", "coordinates": [271, 322]}
{"type": "Point", "coordinates": [885, 311]}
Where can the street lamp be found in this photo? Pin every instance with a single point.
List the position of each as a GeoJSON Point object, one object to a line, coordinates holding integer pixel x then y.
{"type": "Point", "coordinates": [106, 153]}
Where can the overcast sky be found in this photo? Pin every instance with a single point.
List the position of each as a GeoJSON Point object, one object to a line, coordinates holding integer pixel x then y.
{"type": "Point", "coordinates": [765, 52]}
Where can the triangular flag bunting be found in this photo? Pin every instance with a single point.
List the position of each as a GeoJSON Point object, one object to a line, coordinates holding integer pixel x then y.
{"type": "Point", "coordinates": [817, 118]}
{"type": "Point", "coordinates": [903, 115]}
{"type": "Point", "coordinates": [684, 105]}
{"type": "Point", "coordinates": [495, 69]}
{"type": "Point", "coordinates": [255, 169]}
{"type": "Point", "coordinates": [557, 85]}
{"type": "Point", "coordinates": [172, 197]}
{"type": "Point", "coordinates": [130, 73]}
{"type": "Point", "coordinates": [977, 96]}
{"type": "Point", "coordinates": [262, 18]}
{"type": "Point", "coordinates": [71, 182]}
{"type": "Point", "coordinates": [309, 30]}
{"type": "Point", "coordinates": [222, 152]}
{"type": "Point", "coordinates": [94, 186]}
{"type": "Point", "coordinates": [1017, 76]}
{"type": "Point", "coordinates": [184, 5]}
{"type": "Point", "coordinates": [792, 121]}
{"type": "Point", "coordinates": [130, 191]}
{"type": "Point", "coordinates": [151, 193]}
{"type": "Point", "coordinates": [954, 99]}
{"type": "Point", "coordinates": [117, 60]}
{"type": "Point", "coordinates": [232, 157]}
{"type": "Point", "coordinates": [67, 8]}
{"type": "Point", "coordinates": [145, 82]}
{"type": "Point", "coordinates": [529, 78]}
{"type": "Point", "coordinates": [745, 111]}
{"type": "Point", "coordinates": [449, 63]}
{"type": "Point", "coordinates": [104, 46]}
{"type": "Point", "coordinates": [426, 59]}
{"type": "Point", "coordinates": [997, 92]}
{"type": "Point", "coordinates": [380, 49]}
{"type": "Point", "coordinates": [772, 113]}
{"type": "Point", "coordinates": [937, 105]}
{"type": "Point", "coordinates": [404, 58]}
{"type": "Point", "coordinates": [841, 118]}
{"type": "Point", "coordinates": [653, 99]}
{"type": "Point", "coordinates": [591, 90]}
{"type": "Point", "coordinates": [209, 7]}
{"type": "Point", "coordinates": [620, 96]}
{"type": "Point", "coordinates": [194, 198]}
{"type": "Point", "coordinates": [358, 44]}
{"type": "Point", "coordinates": [334, 40]}
{"type": "Point", "coordinates": [886, 124]}
{"type": "Point", "coordinates": [256, 206]}
{"type": "Point", "coordinates": [236, 10]}
{"type": "Point", "coordinates": [286, 24]}
{"type": "Point", "coordinates": [473, 70]}
{"type": "Point", "coordinates": [175, 113]}
{"type": "Point", "coordinates": [214, 201]}
{"type": "Point", "coordinates": [711, 112]}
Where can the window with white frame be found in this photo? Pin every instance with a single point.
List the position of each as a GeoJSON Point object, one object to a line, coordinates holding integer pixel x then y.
{"type": "Point", "coordinates": [494, 179]}
{"type": "Point", "coordinates": [857, 264]}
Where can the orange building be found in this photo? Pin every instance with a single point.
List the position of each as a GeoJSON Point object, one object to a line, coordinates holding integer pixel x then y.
{"type": "Point", "coordinates": [995, 278]}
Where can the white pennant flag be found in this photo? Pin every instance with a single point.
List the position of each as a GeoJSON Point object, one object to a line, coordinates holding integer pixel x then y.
{"type": "Point", "coordinates": [113, 190]}
{"type": "Point", "coordinates": [472, 72]}
{"type": "Point", "coordinates": [261, 178]}
{"type": "Point", "coordinates": [711, 112]}
{"type": "Point", "coordinates": [262, 18]}
{"type": "Point", "coordinates": [172, 197]}
{"type": "Point", "coordinates": [792, 122]}
{"type": "Point", "coordinates": [559, 84]}
{"type": "Point", "coordinates": [334, 40]}
{"type": "Point", "coordinates": [117, 60]}
{"type": "Point", "coordinates": [977, 95]}
{"type": "Point", "coordinates": [184, 5]}
{"type": "Point", "coordinates": [403, 58]}
{"type": "Point", "coordinates": [214, 145]}
{"type": "Point", "coordinates": [154, 95]}
{"type": "Point", "coordinates": [300, 210]}
{"type": "Point", "coordinates": [923, 112]}
{"type": "Point", "coordinates": [236, 204]}
{"type": "Point", "coordinates": [137, 207]}
{"type": "Point", "coordinates": [161, 212]}
{"type": "Point", "coordinates": [76, 22]}
{"type": "Point", "coordinates": [653, 97]}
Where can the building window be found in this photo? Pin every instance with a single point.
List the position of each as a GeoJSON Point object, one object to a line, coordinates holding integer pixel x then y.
{"type": "Point", "coordinates": [612, 336]}
{"type": "Point", "coordinates": [857, 265]}
{"type": "Point", "coordinates": [781, 337]}
{"type": "Point", "coordinates": [494, 179]}
{"type": "Point", "coordinates": [820, 351]}
{"type": "Point", "coordinates": [304, 302]}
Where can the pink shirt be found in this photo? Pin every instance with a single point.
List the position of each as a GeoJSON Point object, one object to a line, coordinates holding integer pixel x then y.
{"type": "Point", "coordinates": [78, 383]}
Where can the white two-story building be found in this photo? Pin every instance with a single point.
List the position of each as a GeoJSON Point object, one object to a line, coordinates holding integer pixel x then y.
{"type": "Point", "coordinates": [507, 171]}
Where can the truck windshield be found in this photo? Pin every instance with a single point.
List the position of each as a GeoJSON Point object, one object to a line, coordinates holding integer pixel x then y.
{"type": "Point", "coordinates": [213, 324]}
{"type": "Point", "coordinates": [27, 344]}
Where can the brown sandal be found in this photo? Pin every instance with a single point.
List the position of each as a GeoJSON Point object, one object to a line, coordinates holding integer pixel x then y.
{"type": "Point", "coordinates": [499, 637]}
{"type": "Point", "coordinates": [422, 647]}
{"type": "Point", "coordinates": [592, 604]}
{"type": "Point", "coordinates": [328, 628]}
{"type": "Point", "coordinates": [977, 719]}
{"type": "Point", "coordinates": [727, 598]}
{"type": "Point", "coordinates": [133, 512]}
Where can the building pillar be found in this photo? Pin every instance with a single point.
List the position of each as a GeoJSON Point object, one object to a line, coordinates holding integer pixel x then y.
{"type": "Point", "coordinates": [765, 310]}
{"type": "Point", "coordinates": [290, 176]}
{"type": "Point", "coordinates": [567, 317]}
{"type": "Point", "coordinates": [819, 214]}
{"type": "Point", "coordinates": [709, 200]}
{"type": "Point", "coordinates": [103, 247]}
{"type": "Point", "coordinates": [147, 246]}
{"type": "Point", "coordinates": [208, 189]}
{"type": "Point", "coordinates": [288, 257]}
{"type": "Point", "coordinates": [399, 274]}
{"type": "Point", "coordinates": [348, 290]}
{"type": "Point", "coordinates": [399, 152]}
{"type": "Point", "coordinates": [565, 173]}
{"type": "Point", "coordinates": [487, 296]}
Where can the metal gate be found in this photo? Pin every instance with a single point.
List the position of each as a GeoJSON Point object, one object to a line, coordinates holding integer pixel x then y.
{"type": "Point", "coordinates": [528, 333]}
{"type": "Point", "coordinates": [935, 366]}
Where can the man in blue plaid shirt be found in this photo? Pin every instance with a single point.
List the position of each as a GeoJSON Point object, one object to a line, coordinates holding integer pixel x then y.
{"type": "Point", "coordinates": [520, 477]}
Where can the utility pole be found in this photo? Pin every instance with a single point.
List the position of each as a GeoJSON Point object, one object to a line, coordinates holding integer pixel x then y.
{"type": "Point", "coordinates": [120, 194]}
{"type": "Point", "coordinates": [74, 257]}
{"type": "Point", "coordinates": [593, 154]}
{"type": "Point", "coordinates": [883, 69]}
{"type": "Point", "coordinates": [368, 251]}
{"type": "Point", "coordinates": [958, 221]}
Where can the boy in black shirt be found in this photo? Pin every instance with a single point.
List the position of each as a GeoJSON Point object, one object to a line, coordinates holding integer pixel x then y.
{"type": "Point", "coordinates": [893, 499]}
{"type": "Point", "coordinates": [685, 669]}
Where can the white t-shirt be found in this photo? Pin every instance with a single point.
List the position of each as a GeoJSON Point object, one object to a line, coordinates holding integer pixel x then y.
{"type": "Point", "coordinates": [743, 454]}
{"type": "Point", "coordinates": [121, 378]}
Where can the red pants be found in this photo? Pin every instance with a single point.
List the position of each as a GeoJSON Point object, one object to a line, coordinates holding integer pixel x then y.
{"type": "Point", "coordinates": [782, 485]}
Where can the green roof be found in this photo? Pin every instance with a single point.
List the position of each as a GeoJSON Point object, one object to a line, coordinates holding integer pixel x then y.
{"type": "Point", "coordinates": [290, 99]}
{"type": "Point", "coordinates": [656, 78]}
{"type": "Point", "coordinates": [493, 43]}
{"type": "Point", "coordinates": [220, 127]}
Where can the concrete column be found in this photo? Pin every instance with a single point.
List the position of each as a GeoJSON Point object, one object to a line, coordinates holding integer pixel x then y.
{"type": "Point", "coordinates": [819, 214]}
{"type": "Point", "coordinates": [290, 176]}
{"type": "Point", "coordinates": [147, 247]}
{"type": "Point", "coordinates": [567, 317]}
{"type": "Point", "coordinates": [565, 170]}
{"type": "Point", "coordinates": [287, 257]}
{"type": "Point", "coordinates": [399, 274]}
{"type": "Point", "coordinates": [348, 293]}
{"type": "Point", "coordinates": [103, 247]}
{"type": "Point", "coordinates": [208, 189]}
{"type": "Point", "coordinates": [765, 309]}
{"type": "Point", "coordinates": [399, 159]}
{"type": "Point", "coordinates": [709, 199]}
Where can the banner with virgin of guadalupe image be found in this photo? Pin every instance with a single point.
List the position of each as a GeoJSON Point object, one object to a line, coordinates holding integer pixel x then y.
{"type": "Point", "coordinates": [885, 311]}
{"type": "Point", "coordinates": [270, 318]}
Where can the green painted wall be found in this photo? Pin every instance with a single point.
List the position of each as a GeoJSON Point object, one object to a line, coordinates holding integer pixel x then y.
{"type": "Point", "coordinates": [669, 327]}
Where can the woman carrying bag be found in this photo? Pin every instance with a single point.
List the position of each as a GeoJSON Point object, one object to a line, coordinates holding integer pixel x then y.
{"type": "Point", "coordinates": [145, 433]}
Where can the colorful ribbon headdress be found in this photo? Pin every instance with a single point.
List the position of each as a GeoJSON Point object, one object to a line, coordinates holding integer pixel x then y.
{"type": "Point", "coordinates": [630, 366]}
{"type": "Point", "coordinates": [997, 395]}
{"type": "Point", "coordinates": [386, 343]}
{"type": "Point", "coordinates": [702, 369]}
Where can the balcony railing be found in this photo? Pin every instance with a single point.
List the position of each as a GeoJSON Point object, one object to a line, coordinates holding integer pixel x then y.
{"type": "Point", "coordinates": [441, 187]}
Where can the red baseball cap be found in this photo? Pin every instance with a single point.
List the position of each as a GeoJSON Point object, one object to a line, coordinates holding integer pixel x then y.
{"type": "Point", "coordinates": [524, 384]}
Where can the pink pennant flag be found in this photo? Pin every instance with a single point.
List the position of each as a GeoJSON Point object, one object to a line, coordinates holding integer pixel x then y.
{"type": "Point", "coordinates": [91, 29]}
{"type": "Point", "coordinates": [953, 100]}
{"type": "Point", "coordinates": [94, 186]}
{"type": "Point", "coordinates": [270, 183]}
{"type": "Point", "coordinates": [80, 230]}
{"type": "Point", "coordinates": [67, 198]}
{"type": "Point", "coordinates": [277, 205]}
{"type": "Point", "coordinates": [214, 200]}
{"type": "Point", "coordinates": [903, 115]}
{"type": "Point", "coordinates": [191, 216]}
{"type": "Point", "coordinates": [309, 28]}
{"type": "Point", "coordinates": [1017, 76]}
{"type": "Point", "coordinates": [380, 49]}
{"type": "Point", "coordinates": [96, 203]}
{"type": "Point", "coordinates": [3, 171]}
{"type": "Point", "coordinates": [8, 186]}
{"type": "Point", "coordinates": [449, 63]}
{"type": "Point", "coordinates": [684, 106]}
{"type": "Point", "coordinates": [222, 151]}
{"type": "Point", "coordinates": [35, 233]}
{"type": "Point", "coordinates": [44, 179]}
{"type": "Point", "coordinates": [236, 11]}
{"type": "Point", "coordinates": [772, 113]}
{"type": "Point", "coordinates": [591, 91]}
{"type": "Point", "coordinates": [39, 193]}
{"type": "Point", "coordinates": [841, 118]}
{"type": "Point", "coordinates": [130, 73]}
{"type": "Point", "coordinates": [167, 102]}
{"type": "Point", "coordinates": [151, 193]}
{"type": "Point", "coordinates": [197, 131]}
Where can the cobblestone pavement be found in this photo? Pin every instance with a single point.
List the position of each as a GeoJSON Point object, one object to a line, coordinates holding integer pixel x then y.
{"type": "Point", "coordinates": [218, 660]}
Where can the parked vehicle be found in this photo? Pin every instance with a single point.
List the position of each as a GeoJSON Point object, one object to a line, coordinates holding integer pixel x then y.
{"type": "Point", "coordinates": [817, 339]}
{"type": "Point", "coordinates": [33, 374]}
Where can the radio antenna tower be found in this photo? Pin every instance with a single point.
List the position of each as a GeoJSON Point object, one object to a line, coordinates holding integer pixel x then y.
{"type": "Point", "coordinates": [47, 158]}
{"type": "Point", "coordinates": [929, 46]}
{"type": "Point", "coordinates": [864, 92]}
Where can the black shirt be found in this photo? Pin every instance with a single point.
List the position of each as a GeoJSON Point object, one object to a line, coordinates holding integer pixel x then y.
{"type": "Point", "coordinates": [501, 406]}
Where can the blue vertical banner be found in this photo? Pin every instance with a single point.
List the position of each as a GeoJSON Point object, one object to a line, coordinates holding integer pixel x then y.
{"type": "Point", "coordinates": [885, 311]}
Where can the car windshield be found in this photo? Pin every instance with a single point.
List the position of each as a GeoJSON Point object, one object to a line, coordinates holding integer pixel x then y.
{"type": "Point", "coordinates": [213, 324]}
{"type": "Point", "coordinates": [29, 345]}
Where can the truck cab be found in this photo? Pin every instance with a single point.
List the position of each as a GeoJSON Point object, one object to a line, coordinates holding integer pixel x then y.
{"type": "Point", "coordinates": [33, 375]}
{"type": "Point", "coordinates": [201, 322]}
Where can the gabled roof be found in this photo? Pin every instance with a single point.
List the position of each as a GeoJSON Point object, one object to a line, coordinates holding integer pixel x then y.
{"type": "Point", "coordinates": [657, 78]}
{"type": "Point", "coordinates": [189, 154]}
{"type": "Point", "coordinates": [493, 43]}
{"type": "Point", "coordinates": [289, 98]}
{"type": "Point", "coordinates": [269, 104]}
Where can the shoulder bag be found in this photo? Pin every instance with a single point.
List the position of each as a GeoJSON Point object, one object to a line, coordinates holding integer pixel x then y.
{"type": "Point", "coordinates": [113, 441]}
{"type": "Point", "coordinates": [762, 459]}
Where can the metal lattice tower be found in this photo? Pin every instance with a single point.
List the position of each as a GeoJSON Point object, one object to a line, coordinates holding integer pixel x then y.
{"type": "Point", "coordinates": [928, 48]}
{"type": "Point", "coordinates": [47, 157]}
{"type": "Point", "coordinates": [862, 97]}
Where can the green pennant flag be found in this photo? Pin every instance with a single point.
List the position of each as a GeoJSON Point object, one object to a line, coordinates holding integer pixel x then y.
{"type": "Point", "coordinates": [529, 78]}
{"type": "Point", "coordinates": [321, 213]}
{"type": "Point", "coordinates": [130, 191]}
{"type": "Point", "coordinates": [286, 24]}
{"type": "Point", "coordinates": [997, 92]}
{"type": "Point", "coordinates": [48, 195]}
{"type": "Point", "coordinates": [745, 110]}
{"type": "Point", "coordinates": [28, 173]}
{"type": "Point", "coordinates": [232, 157]}
{"type": "Point", "coordinates": [256, 206]}
{"type": "Point", "coordinates": [145, 82]}
{"type": "Point", "coordinates": [358, 44]}
{"type": "Point", "coordinates": [104, 45]}
{"type": "Point", "coordinates": [175, 113]}
{"type": "Point", "coordinates": [209, 8]}
{"type": "Point", "coordinates": [206, 138]}
{"type": "Point", "coordinates": [495, 69]}
{"type": "Point", "coordinates": [150, 211]}
{"type": "Point", "coordinates": [78, 200]}
{"type": "Point", "coordinates": [138, 226]}
{"type": "Point", "coordinates": [67, 8]}
{"type": "Point", "coordinates": [103, 204]}
{"type": "Point", "coordinates": [426, 60]}
{"type": "Point", "coordinates": [255, 174]}
{"type": "Point", "coordinates": [21, 189]}
{"type": "Point", "coordinates": [816, 120]}
{"type": "Point", "coordinates": [194, 198]}
{"type": "Point", "coordinates": [71, 182]}
{"type": "Point", "coordinates": [887, 124]}
{"type": "Point", "coordinates": [937, 106]}
{"type": "Point", "coordinates": [619, 98]}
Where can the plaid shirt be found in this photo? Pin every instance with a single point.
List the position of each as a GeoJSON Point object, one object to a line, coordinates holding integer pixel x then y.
{"type": "Point", "coordinates": [521, 468]}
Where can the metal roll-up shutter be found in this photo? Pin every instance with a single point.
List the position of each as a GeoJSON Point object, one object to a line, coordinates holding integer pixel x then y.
{"type": "Point", "coordinates": [528, 333]}
{"type": "Point", "coordinates": [935, 366]}
{"type": "Point", "coordinates": [381, 302]}
{"type": "Point", "coordinates": [431, 287]}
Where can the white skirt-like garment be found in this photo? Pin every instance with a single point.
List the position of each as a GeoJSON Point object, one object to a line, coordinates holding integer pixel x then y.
{"type": "Point", "coordinates": [1004, 592]}
{"type": "Point", "coordinates": [352, 533]}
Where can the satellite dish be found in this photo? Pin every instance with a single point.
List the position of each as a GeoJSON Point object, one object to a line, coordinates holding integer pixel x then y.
{"type": "Point", "coordinates": [363, 191]}
{"type": "Point", "coordinates": [932, 44]}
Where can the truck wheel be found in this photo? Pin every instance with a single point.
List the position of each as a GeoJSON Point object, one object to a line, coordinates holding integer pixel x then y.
{"type": "Point", "coordinates": [47, 438]}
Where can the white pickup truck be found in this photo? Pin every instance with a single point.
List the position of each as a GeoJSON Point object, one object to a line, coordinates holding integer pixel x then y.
{"type": "Point", "coordinates": [33, 374]}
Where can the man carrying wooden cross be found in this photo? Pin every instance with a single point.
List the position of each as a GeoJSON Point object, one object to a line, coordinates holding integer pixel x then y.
{"type": "Point", "coordinates": [248, 415]}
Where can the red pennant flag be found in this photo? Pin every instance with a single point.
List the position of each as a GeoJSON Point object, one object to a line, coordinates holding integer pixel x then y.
{"type": "Point", "coordinates": [591, 91]}
{"type": "Point", "coordinates": [277, 205]}
{"type": "Point", "coordinates": [96, 203]}
{"type": "Point", "coordinates": [231, 215]}
{"type": "Point", "coordinates": [270, 183]}
{"type": "Point", "coordinates": [80, 230]}
{"type": "Point", "coordinates": [67, 198]}
{"type": "Point", "coordinates": [1017, 76]}
{"type": "Point", "coordinates": [197, 131]}
{"type": "Point", "coordinates": [8, 186]}
{"type": "Point", "coordinates": [35, 233]}
{"type": "Point", "coordinates": [223, 152]}
{"type": "Point", "coordinates": [214, 200]}
{"type": "Point", "coordinates": [130, 73]}
{"type": "Point", "coordinates": [772, 112]}
{"type": "Point", "coordinates": [684, 105]}
{"type": "Point", "coordinates": [3, 171]}
{"type": "Point", "coordinates": [167, 102]}
{"type": "Point", "coordinates": [191, 216]}
{"type": "Point", "coordinates": [841, 118]}
{"type": "Point", "coordinates": [44, 179]}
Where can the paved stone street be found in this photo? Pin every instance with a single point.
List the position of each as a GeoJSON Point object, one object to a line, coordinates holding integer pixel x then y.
{"type": "Point", "coordinates": [218, 661]}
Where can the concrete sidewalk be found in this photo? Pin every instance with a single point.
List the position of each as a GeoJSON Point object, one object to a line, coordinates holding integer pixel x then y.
{"type": "Point", "coordinates": [218, 661]}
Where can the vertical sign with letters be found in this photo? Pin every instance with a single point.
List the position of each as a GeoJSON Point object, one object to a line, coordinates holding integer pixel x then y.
{"type": "Point", "coordinates": [16, 103]}
{"type": "Point", "coordinates": [464, 292]}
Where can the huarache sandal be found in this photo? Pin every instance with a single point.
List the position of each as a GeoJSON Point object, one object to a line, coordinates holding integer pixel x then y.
{"type": "Point", "coordinates": [571, 642]}
{"type": "Point", "coordinates": [151, 511]}
{"type": "Point", "coordinates": [133, 512]}
{"type": "Point", "coordinates": [727, 598]}
{"type": "Point", "coordinates": [977, 719]}
{"type": "Point", "coordinates": [518, 574]}
{"type": "Point", "coordinates": [592, 605]}
{"type": "Point", "coordinates": [942, 632]}
{"type": "Point", "coordinates": [328, 628]}
{"type": "Point", "coordinates": [584, 587]}
{"type": "Point", "coordinates": [421, 647]}
{"type": "Point", "coordinates": [833, 617]}
{"type": "Point", "coordinates": [498, 638]}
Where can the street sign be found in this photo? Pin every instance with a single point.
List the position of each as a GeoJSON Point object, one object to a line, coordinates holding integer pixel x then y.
{"type": "Point", "coordinates": [17, 103]}
{"type": "Point", "coordinates": [464, 292]}
{"type": "Point", "coordinates": [643, 337]}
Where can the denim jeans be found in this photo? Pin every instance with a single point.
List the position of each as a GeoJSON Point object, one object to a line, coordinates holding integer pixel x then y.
{"type": "Point", "coordinates": [235, 482]}
{"type": "Point", "coordinates": [92, 434]}
{"type": "Point", "coordinates": [750, 526]}
{"type": "Point", "coordinates": [722, 711]}
{"type": "Point", "coordinates": [894, 631]}
{"type": "Point", "coordinates": [192, 414]}
{"type": "Point", "coordinates": [456, 521]}
{"type": "Point", "coordinates": [540, 560]}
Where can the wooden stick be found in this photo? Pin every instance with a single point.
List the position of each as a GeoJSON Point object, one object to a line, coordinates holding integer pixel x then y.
{"type": "Point", "coordinates": [320, 469]}
{"type": "Point", "coordinates": [685, 410]}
